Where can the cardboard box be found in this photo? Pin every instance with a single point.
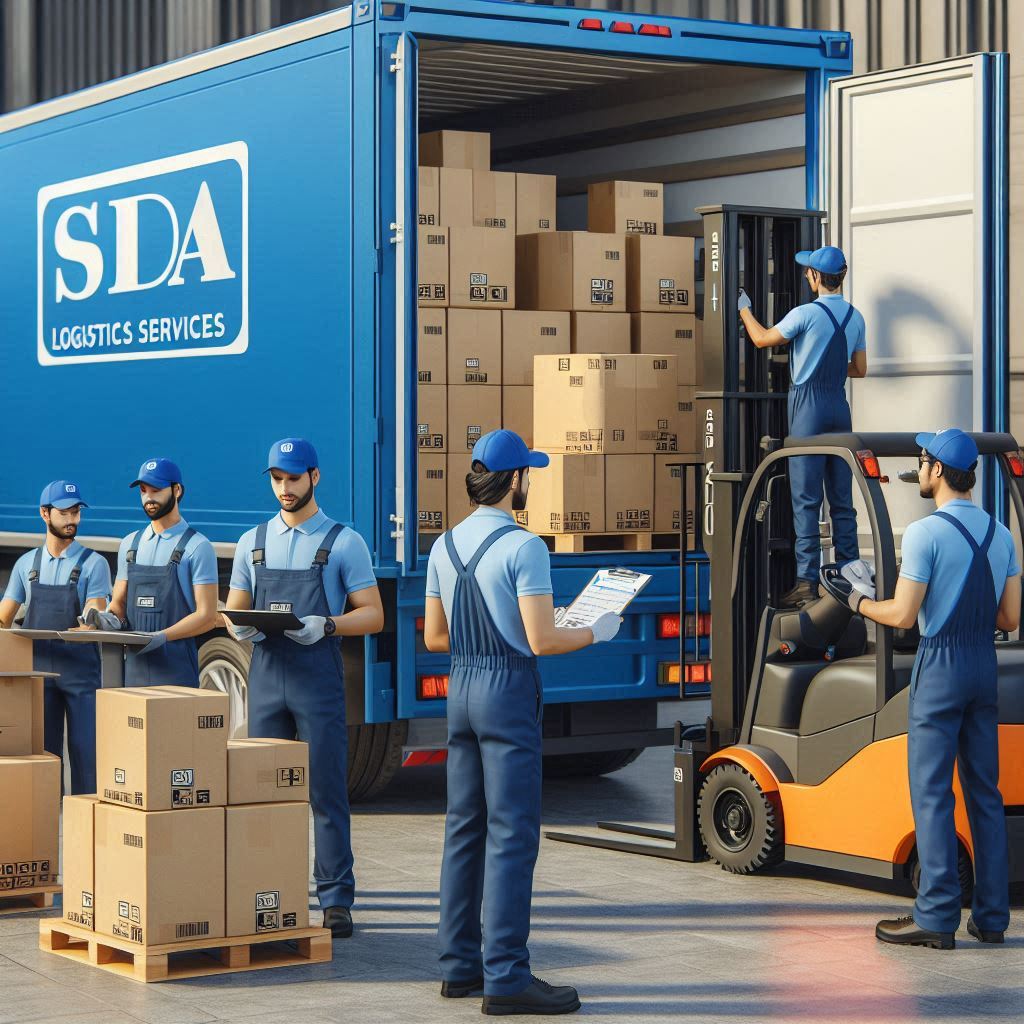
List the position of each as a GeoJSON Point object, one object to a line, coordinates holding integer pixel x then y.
{"type": "Point", "coordinates": [432, 499]}
{"type": "Point", "coordinates": [571, 270]}
{"type": "Point", "coordinates": [660, 274]}
{"type": "Point", "coordinates": [29, 810]}
{"type": "Point", "coordinates": [456, 149]}
{"type": "Point", "coordinates": [567, 496]}
{"type": "Point", "coordinates": [629, 493]}
{"type": "Point", "coordinates": [266, 850]}
{"type": "Point", "coordinates": [432, 346]}
{"type": "Point", "coordinates": [459, 505]}
{"type": "Point", "coordinates": [159, 874]}
{"type": "Point", "coordinates": [585, 404]}
{"type": "Point", "coordinates": [494, 200]}
{"type": "Point", "coordinates": [432, 253]}
{"type": "Point", "coordinates": [21, 715]}
{"type": "Point", "coordinates": [517, 411]}
{"type": "Point", "coordinates": [428, 198]}
{"type": "Point", "coordinates": [473, 410]}
{"type": "Point", "coordinates": [482, 268]}
{"type": "Point", "coordinates": [474, 346]}
{"type": "Point", "coordinates": [626, 207]}
{"type": "Point", "coordinates": [535, 203]}
{"type": "Point", "coordinates": [263, 771]}
{"type": "Point", "coordinates": [691, 432]}
{"type": "Point", "coordinates": [162, 748]}
{"type": "Point", "coordinates": [657, 410]}
{"type": "Point", "coordinates": [672, 334]}
{"type": "Point", "coordinates": [600, 332]}
{"type": "Point", "coordinates": [15, 653]}
{"type": "Point", "coordinates": [455, 197]}
{"type": "Point", "coordinates": [78, 840]}
{"type": "Point", "coordinates": [668, 495]}
{"type": "Point", "coordinates": [432, 417]}
{"type": "Point", "coordinates": [525, 334]}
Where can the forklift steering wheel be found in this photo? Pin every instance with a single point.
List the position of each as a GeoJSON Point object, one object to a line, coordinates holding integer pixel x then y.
{"type": "Point", "coordinates": [835, 584]}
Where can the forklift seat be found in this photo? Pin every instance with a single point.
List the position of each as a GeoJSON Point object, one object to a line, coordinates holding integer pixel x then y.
{"type": "Point", "coordinates": [840, 693]}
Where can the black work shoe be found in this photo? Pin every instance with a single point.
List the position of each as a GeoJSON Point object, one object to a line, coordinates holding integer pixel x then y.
{"type": "Point", "coordinates": [537, 998]}
{"type": "Point", "coordinates": [461, 989]}
{"type": "Point", "coordinates": [983, 936]}
{"type": "Point", "coordinates": [803, 593]}
{"type": "Point", "coordinates": [905, 932]}
{"type": "Point", "coordinates": [339, 920]}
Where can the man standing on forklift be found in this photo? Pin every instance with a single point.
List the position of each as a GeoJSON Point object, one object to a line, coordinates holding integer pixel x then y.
{"type": "Point", "coordinates": [960, 572]}
{"type": "Point", "coordinates": [827, 346]}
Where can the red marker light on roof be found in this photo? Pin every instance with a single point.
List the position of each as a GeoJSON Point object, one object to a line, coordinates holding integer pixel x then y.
{"type": "Point", "coordinates": [656, 30]}
{"type": "Point", "coordinates": [1016, 463]}
{"type": "Point", "coordinates": [591, 25]}
{"type": "Point", "coordinates": [869, 464]}
{"type": "Point", "coordinates": [622, 26]}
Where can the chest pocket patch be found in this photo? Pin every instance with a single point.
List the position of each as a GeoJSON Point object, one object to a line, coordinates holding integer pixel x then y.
{"type": "Point", "coordinates": [145, 602]}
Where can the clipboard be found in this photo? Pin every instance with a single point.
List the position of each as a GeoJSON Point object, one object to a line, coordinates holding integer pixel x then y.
{"type": "Point", "coordinates": [609, 590]}
{"type": "Point", "coordinates": [265, 621]}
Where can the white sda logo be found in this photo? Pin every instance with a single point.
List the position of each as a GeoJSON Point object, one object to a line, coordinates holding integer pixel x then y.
{"type": "Point", "coordinates": [287, 447]}
{"type": "Point", "coordinates": [150, 465]}
{"type": "Point", "coordinates": [70, 488]}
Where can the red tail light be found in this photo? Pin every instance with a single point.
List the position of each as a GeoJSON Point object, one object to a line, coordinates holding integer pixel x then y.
{"type": "Point", "coordinates": [698, 673]}
{"type": "Point", "coordinates": [419, 624]}
{"type": "Point", "coordinates": [704, 624]}
{"type": "Point", "coordinates": [869, 464]}
{"type": "Point", "coordinates": [591, 25]}
{"type": "Point", "coordinates": [418, 758]}
{"type": "Point", "coordinates": [622, 26]}
{"type": "Point", "coordinates": [656, 30]}
{"type": "Point", "coordinates": [668, 627]}
{"type": "Point", "coordinates": [432, 687]}
{"type": "Point", "coordinates": [1016, 463]}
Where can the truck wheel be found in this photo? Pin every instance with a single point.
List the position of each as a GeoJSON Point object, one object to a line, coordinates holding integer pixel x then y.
{"type": "Point", "coordinates": [224, 667]}
{"type": "Point", "coordinates": [601, 762]}
{"type": "Point", "coordinates": [740, 825]}
{"type": "Point", "coordinates": [964, 868]}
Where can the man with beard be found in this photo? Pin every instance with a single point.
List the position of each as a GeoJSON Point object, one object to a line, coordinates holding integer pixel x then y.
{"type": "Point", "coordinates": [303, 562]}
{"type": "Point", "coordinates": [166, 585]}
{"type": "Point", "coordinates": [59, 581]}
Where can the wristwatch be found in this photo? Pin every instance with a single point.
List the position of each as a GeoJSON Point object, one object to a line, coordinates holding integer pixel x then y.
{"type": "Point", "coordinates": [330, 626]}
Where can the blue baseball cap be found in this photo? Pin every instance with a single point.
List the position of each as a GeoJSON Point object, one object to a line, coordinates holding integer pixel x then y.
{"type": "Point", "coordinates": [158, 473]}
{"type": "Point", "coordinates": [61, 494]}
{"type": "Point", "coordinates": [292, 455]}
{"type": "Point", "coordinates": [951, 447]}
{"type": "Point", "coordinates": [826, 260]}
{"type": "Point", "coordinates": [504, 450]}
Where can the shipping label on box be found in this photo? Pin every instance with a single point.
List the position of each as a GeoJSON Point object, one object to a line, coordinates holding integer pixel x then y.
{"type": "Point", "coordinates": [432, 346]}
{"type": "Point", "coordinates": [432, 492]}
{"type": "Point", "coordinates": [626, 207]}
{"type": "Point", "coordinates": [428, 200]}
{"type": "Point", "coordinates": [660, 274]}
{"type": "Point", "coordinates": [471, 150]}
{"type": "Point", "coordinates": [455, 190]}
{"type": "Point", "coordinates": [21, 714]}
{"type": "Point", "coordinates": [517, 411]}
{"type": "Point", "coordinates": [432, 253]}
{"type": "Point", "coordinates": [657, 413]}
{"type": "Point", "coordinates": [669, 334]}
{"type": "Point", "coordinates": [668, 495]}
{"type": "Point", "coordinates": [494, 200]}
{"type": "Point", "coordinates": [78, 842]}
{"type": "Point", "coordinates": [432, 417]}
{"type": "Point", "coordinates": [473, 410]}
{"type": "Point", "coordinates": [482, 268]}
{"type": "Point", "coordinates": [629, 493]}
{"type": "Point", "coordinates": [568, 496]}
{"type": "Point", "coordinates": [535, 203]}
{"type": "Point", "coordinates": [459, 505]}
{"type": "Point", "coordinates": [691, 424]}
{"type": "Point", "coordinates": [525, 334]}
{"type": "Point", "coordinates": [474, 346]}
{"type": "Point", "coordinates": [268, 770]}
{"type": "Point", "coordinates": [29, 810]}
{"type": "Point", "coordinates": [600, 332]}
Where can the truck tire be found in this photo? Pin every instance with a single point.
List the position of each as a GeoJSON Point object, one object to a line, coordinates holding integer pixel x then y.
{"type": "Point", "coordinates": [576, 766]}
{"type": "Point", "coordinates": [741, 826]}
{"type": "Point", "coordinates": [224, 668]}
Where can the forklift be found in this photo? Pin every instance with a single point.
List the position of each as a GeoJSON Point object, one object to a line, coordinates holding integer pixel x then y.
{"type": "Point", "coordinates": [804, 755]}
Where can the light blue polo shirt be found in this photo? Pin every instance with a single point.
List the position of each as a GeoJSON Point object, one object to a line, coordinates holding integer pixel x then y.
{"type": "Point", "coordinates": [349, 567]}
{"type": "Point", "coordinates": [93, 583]}
{"type": "Point", "coordinates": [810, 331]}
{"type": "Point", "coordinates": [197, 567]}
{"type": "Point", "coordinates": [936, 550]}
{"type": "Point", "coordinates": [516, 565]}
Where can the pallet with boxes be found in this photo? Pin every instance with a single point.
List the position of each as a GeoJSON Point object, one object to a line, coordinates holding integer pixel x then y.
{"type": "Point", "coordinates": [193, 857]}
{"type": "Point", "coordinates": [592, 353]}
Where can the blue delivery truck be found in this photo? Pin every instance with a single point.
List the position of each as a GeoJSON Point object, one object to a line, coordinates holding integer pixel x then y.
{"type": "Point", "coordinates": [203, 257]}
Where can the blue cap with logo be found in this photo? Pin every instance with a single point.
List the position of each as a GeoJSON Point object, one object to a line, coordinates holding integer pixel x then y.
{"type": "Point", "coordinates": [158, 473]}
{"type": "Point", "coordinates": [61, 494]}
{"type": "Point", "coordinates": [292, 455]}
{"type": "Point", "coordinates": [826, 260]}
{"type": "Point", "coordinates": [951, 447]}
{"type": "Point", "coordinates": [504, 450]}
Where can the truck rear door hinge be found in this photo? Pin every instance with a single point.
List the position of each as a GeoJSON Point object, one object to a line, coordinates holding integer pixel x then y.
{"type": "Point", "coordinates": [399, 233]}
{"type": "Point", "coordinates": [398, 533]}
{"type": "Point", "coordinates": [397, 62]}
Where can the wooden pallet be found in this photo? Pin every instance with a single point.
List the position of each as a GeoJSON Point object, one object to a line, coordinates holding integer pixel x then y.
{"type": "Point", "coordinates": [23, 901]}
{"type": "Point", "coordinates": [192, 958]}
{"type": "Point", "coordinates": [575, 543]}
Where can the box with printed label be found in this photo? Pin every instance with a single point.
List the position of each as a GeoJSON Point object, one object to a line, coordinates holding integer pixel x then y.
{"type": "Point", "coordinates": [162, 748]}
{"type": "Point", "coordinates": [629, 493]}
{"type": "Point", "coordinates": [659, 274]}
{"type": "Point", "coordinates": [78, 841]}
{"type": "Point", "coordinates": [600, 332]}
{"type": "Point", "coordinates": [432, 417]}
{"type": "Point", "coordinates": [432, 492]}
{"type": "Point", "coordinates": [267, 857]}
{"type": "Point", "coordinates": [584, 403]}
{"type": "Point", "coordinates": [264, 771]}
{"type": "Point", "coordinates": [668, 494]}
{"type": "Point", "coordinates": [21, 714]}
{"type": "Point", "coordinates": [459, 505]}
{"type": "Point", "coordinates": [535, 203]}
{"type": "Point", "coordinates": [517, 411]}
{"type": "Point", "coordinates": [669, 334]}
{"type": "Point", "coordinates": [29, 811]}
{"type": "Point", "coordinates": [432, 346]}
{"type": "Point", "coordinates": [657, 413]}
{"type": "Point", "coordinates": [527, 333]}
{"type": "Point", "coordinates": [432, 254]}
{"type": "Point", "coordinates": [159, 875]}
{"type": "Point", "coordinates": [473, 410]}
{"type": "Point", "coordinates": [474, 346]}
{"type": "Point", "coordinates": [455, 197]}
{"type": "Point", "coordinates": [428, 199]}
{"type": "Point", "coordinates": [567, 496]}
{"type": "Point", "coordinates": [456, 149]}
{"type": "Point", "coordinates": [494, 200]}
{"type": "Point", "coordinates": [482, 271]}
{"type": "Point", "coordinates": [15, 653]}
{"type": "Point", "coordinates": [571, 270]}
{"type": "Point", "coordinates": [691, 429]}
{"type": "Point", "coordinates": [626, 207]}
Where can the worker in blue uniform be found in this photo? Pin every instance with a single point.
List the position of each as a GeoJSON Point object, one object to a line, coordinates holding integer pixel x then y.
{"type": "Point", "coordinates": [58, 582]}
{"type": "Point", "coordinates": [489, 603]}
{"type": "Point", "coordinates": [166, 585]}
{"type": "Point", "coordinates": [303, 562]}
{"type": "Point", "coordinates": [960, 579]}
{"type": "Point", "coordinates": [827, 345]}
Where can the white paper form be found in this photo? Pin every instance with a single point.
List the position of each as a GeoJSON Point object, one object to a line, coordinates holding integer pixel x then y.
{"type": "Point", "coordinates": [610, 590]}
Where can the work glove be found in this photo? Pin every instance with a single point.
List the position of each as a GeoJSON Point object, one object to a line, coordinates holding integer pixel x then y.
{"type": "Point", "coordinates": [312, 630]}
{"type": "Point", "coordinates": [157, 641]}
{"type": "Point", "coordinates": [101, 620]}
{"type": "Point", "coordinates": [743, 302]}
{"type": "Point", "coordinates": [861, 578]}
{"type": "Point", "coordinates": [605, 626]}
{"type": "Point", "coordinates": [242, 633]}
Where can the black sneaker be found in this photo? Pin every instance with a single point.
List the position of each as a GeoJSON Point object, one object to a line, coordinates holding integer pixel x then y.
{"type": "Point", "coordinates": [461, 989]}
{"type": "Point", "coordinates": [903, 931]}
{"type": "Point", "coordinates": [803, 593]}
{"type": "Point", "coordinates": [997, 938]}
{"type": "Point", "coordinates": [339, 920]}
{"type": "Point", "coordinates": [537, 998]}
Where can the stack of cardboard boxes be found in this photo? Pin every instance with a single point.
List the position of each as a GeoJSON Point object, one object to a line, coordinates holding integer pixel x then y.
{"type": "Point", "coordinates": [29, 777]}
{"type": "Point", "coordinates": [190, 836]}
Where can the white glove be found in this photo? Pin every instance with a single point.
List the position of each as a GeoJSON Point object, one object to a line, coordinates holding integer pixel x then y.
{"type": "Point", "coordinates": [860, 576]}
{"type": "Point", "coordinates": [743, 302]}
{"type": "Point", "coordinates": [312, 630]}
{"type": "Point", "coordinates": [241, 633]}
{"type": "Point", "coordinates": [605, 626]}
{"type": "Point", "coordinates": [101, 620]}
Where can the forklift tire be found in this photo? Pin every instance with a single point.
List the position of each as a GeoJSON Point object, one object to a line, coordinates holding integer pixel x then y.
{"type": "Point", "coordinates": [577, 766]}
{"type": "Point", "coordinates": [965, 869]}
{"type": "Point", "coordinates": [741, 826]}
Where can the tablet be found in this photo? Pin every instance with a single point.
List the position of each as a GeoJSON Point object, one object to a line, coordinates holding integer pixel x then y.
{"type": "Point", "coordinates": [264, 621]}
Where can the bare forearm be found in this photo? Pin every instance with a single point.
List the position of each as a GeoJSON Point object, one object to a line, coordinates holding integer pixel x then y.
{"type": "Point", "coordinates": [887, 613]}
{"type": "Point", "coordinates": [8, 609]}
{"type": "Point", "coordinates": [196, 624]}
{"type": "Point", "coordinates": [564, 641]}
{"type": "Point", "coordinates": [755, 330]}
{"type": "Point", "coordinates": [359, 622]}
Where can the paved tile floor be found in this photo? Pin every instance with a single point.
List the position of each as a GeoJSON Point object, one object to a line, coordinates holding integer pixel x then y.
{"type": "Point", "coordinates": [643, 939]}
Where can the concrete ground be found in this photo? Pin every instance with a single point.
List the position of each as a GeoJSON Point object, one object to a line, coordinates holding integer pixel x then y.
{"type": "Point", "coordinates": [643, 939]}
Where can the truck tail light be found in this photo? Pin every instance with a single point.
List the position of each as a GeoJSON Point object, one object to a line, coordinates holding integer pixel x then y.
{"type": "Point", "coordinates": [656, 30]}
{"type": "Point", "coordinates": [869, 464]}
{"type": "Point", "coordinates": [699, 672]}
{"type": "Point", "coordinates": [1016, 463]}
{"type": "Point", "coordinates": [668, 627]}
{"type": "Point", "coordinates": [432, 687]}
{"type": "Point", "coordinates": [419, 623]}
{"type": "Point", "coordinates": [418, 758]}
{"type": "Point", "coordinates": [591, 25]}
{"type": "Point", "coordinates": [669, 673]}
{"type": "Point", "coordinates": [622, 26]}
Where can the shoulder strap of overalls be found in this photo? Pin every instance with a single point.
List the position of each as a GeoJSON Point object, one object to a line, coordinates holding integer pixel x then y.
{"type": "Point", "coordinates": [179, 548]}
{"type": "Point", "coordinates": [133, 547]}
{"type": "Point", "coordinates": [259, 547]}
{"type": "Point", "coordinates": [494, 535]}
{"type": "Point", "coordinates": [324, 551]}
{"type": "Point", "coordinates": [975, 546]}
{"type": "Point", "coordinates": [33, 573]}
{"type": "Point", "coordinates": [828, 312]}
{"type": "Point", "coordinates": [847, 318]}
{"type": "Point", "coordinates": [76, 569]}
